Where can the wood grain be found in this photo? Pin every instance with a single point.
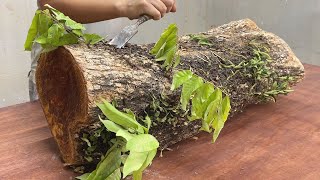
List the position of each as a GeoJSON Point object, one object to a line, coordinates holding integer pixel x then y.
{"type": "Point", "coordinates": [272, 141]}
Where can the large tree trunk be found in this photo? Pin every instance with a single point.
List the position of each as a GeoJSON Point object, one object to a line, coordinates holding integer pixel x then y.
{"type": "Point", "coordinates": [72, 78]}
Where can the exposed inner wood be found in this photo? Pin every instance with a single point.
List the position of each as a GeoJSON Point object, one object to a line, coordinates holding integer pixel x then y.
{"type": "Point", "coordinates": [65, 97]}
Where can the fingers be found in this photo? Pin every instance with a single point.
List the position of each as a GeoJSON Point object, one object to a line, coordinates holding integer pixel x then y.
{"type": "Point", "coordinates": [152, 11]}
{"type": "Point", "coordinates": [163, 7]}
{"type": "Point", "coordinates": [160, 6]}
{"type": "Point", "coordinates": [169, 4]}
{"type": "Point", "coordinates": [174, 7]}
{"type": "Point", "coordinates": [153, 8]}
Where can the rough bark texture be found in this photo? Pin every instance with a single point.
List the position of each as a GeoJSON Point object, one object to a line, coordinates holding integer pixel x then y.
{"type": "Point", "coordinates": [72, 78]}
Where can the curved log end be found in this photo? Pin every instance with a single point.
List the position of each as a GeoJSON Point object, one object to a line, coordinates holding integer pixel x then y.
{"type": "Point", "coordinates": [63, 95]}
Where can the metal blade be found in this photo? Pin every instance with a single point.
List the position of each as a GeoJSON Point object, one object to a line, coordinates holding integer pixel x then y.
{"type": "Point", "coordinates": [128, 32]}
{"type": "Point", "coordinates": [124, 36]}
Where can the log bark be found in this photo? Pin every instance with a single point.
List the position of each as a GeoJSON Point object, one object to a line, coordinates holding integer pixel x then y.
{"type": "Point", "coordinates": [71, 79]}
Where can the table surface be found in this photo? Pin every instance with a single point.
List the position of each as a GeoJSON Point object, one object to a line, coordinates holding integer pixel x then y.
{"type": "Point", "coordinates": [271, 141]}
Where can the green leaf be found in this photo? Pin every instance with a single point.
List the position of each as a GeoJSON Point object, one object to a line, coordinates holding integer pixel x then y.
{"type": "Point", "coordinates": [116, 175]}
{"type": "Point", "coordinates": [68, 39]}
{"type": "Point", "coordinates": [177, 61]}
{"type": "Point", "coordinates": [66, 19]}
{"type": "Point", "coordinates": [54, 34]}
{"type": "Point", "coordinates": [201, 96]}
{"type": "Point", "coordinates": [205, 43]}
{"type": "Point", "coordinates": [125, 134]}
{"type": "Point", "coordinates": [187, 90]}
{"type": "Point", "coordinates": [77, 32]}
{"type": "Point", "coordinates": [109, 164]}
{"type": "Point", "coordinates": [202, 40]}
{"type": "Point", "coordinates": [216, 95]}
{"type": "Point", "coordinates": [205, 127]}
{"type": "Point", "coordinates": [49, 29]}
{"type": "Point", "coordinates": [142, 143]}
{"type": "Point", "coordinates": [118, 117]}
{"type": "Point", "coordinates": [168, 63]}
{"type": "Point", "coordinates": [212, 111]}
{"type": "Point", "coordinates": [168, 34]}
{"type": "Point", "coordinates": [83, 176]}
{"type": "Point", "coordinates": [130, 113]}
{"type": "Point", "coordinates": [137, 175]}
{"type": "Point", "coordinates": [134, 162]}
{"type": "Point", "coordinates": [111, 126]}
{"type": "Point", "coordinates": [160, 54]}
{"type": "Point", "coordinates": [226, 107]}
{"type": "Point", "coordinates": [151, 155]}
{"type": "Point", "coordinates": [44, 21]}
{"type": "Point", "coordinates": [74, 25]}
{"type": "Point", "coordinates": [92, 38]}
{"type": "Point", "coordinates": [217, 129]}
{"type": "Point", "coordinates": [32, 33]}
{"type": "Point", "coordinates": [166, 48]}
{"type": "Point", "coordinates": [92, 175]}
{"type": "Point", "coordinates": [180, 78]}
{"type": "Point", "coordinates": [148, 123]}
{"type": "Point", "coordinates": [43, 39]}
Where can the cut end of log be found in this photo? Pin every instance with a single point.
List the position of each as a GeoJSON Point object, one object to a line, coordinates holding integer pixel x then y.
{"type": "Point", "coordinates": [63, 96]}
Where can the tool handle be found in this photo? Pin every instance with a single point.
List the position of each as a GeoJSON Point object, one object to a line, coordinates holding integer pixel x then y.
{"type": "Point", "coordinates": [142, 19]}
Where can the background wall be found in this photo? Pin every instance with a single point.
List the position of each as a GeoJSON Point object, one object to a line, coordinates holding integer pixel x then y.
{"type": "Point", "coordinates": [295, 21]}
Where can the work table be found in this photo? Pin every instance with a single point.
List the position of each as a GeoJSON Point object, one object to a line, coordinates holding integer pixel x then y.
{"type": "Point", "coordinates": [270, 141]}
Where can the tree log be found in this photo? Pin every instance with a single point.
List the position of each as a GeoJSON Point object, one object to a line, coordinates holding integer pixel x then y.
{"type": "Point", "coordinates": [72, 78]}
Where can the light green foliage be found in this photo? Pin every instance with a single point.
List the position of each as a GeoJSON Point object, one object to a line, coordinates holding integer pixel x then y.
{"type": "Point", "coordinates": [206, 101]}
{"type": "Point", "coordinates": [123, 119]}
{"type": "Point", "coordinates": [32, 33]}
{"type": "Point", "coordinates": [202, 40]}
{"type": "Point", "coordinates": [142, 143]}
{"type": "Point", "coordinates": [188, 89]}
{"type": "Point", "coordinates": [92, 38]}
{"type": "Point", "coordinates": [260, 70]}
{"type": "Point", "coordinates": [166, 48]}
{"type": "Point", "coordinates": [180, 78]}
{"type": "Point", "coordinates": [281, 87]}
{"type": "Point", "coordinates": [108, 166]}
{"type": "Point", "coordinates": [200, 100]}
{"type": "Point", "coordinates": [259, 64]}
{"type": "Point", "coordinates": [52, 29]}
{"type": "Point", "coordinates": [132, 142]}
{"type": "Point", "coordinates": [133, 163]}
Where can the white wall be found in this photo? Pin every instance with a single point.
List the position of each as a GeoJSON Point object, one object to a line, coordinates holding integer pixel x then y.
{"type": "Point", "coordinates": [15, 17]}
{"type": "Point", "coordinates": [296, 21]}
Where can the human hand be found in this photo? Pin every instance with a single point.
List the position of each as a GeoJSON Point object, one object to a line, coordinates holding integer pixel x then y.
{"type": "Point", "coordinates": [156, 9]}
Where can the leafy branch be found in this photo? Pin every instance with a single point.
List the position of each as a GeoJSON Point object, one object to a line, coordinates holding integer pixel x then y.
{"type": "Point", "coordinates": [207, 102]}
{"type": "Point", "coordinates": [133, 148]}
{"type": "Point", "coordinates": [52, 29]}
{"type": "Point", "coordinates": [202, 40]}
{"type": "Point", "coordinates": [166, 48]}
